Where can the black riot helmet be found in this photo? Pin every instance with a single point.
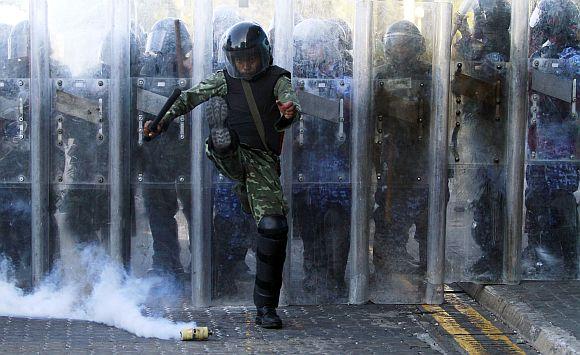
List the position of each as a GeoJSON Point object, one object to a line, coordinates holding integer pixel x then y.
{"type": "Point", "coordinates": [403, 42]}
{"type": "Point", "coordinates": [162, 39]}
{"type": "Point", "coordinates": [19, 41]}
{"type": "Point", "coordinates": [555, 20]}
{"type": "Point", "coordinates": [247, 50]}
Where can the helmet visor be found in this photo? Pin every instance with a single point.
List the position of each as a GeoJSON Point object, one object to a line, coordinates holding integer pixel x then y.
{"type": "Point", "coordinates": [247, 63]}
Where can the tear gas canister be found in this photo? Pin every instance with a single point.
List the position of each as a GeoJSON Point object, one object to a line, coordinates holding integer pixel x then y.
{"type": "Point", "coordinates": [197, 333]}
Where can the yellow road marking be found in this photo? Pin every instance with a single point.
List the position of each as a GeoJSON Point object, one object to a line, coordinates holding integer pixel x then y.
{"type": "Point", "coordinates": [247, 341]}
{"type": "Point", "coordinates": [487, 327]}
{"type": "Point", "coordinates": [461, 335]}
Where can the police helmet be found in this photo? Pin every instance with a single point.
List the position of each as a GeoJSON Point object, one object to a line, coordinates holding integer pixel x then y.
{"type": "Point", "coordinates": [247, 50]}
{"type": "Point", "coordinates": [163, 38]}
{"type": "Point", "coordinates": [403, 41]}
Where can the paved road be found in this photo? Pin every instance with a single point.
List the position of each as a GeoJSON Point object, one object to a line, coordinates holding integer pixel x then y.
{"type": "Point", "coordinates": [459, 326]}
{"type": "Point", "coordinates": [546, 313]}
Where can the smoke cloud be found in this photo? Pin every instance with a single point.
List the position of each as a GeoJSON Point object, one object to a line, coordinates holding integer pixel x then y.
{"type": "Point", "coordinates": [87, 285]}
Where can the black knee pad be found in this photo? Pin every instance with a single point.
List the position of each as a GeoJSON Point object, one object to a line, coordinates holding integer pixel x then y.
{"type": "Point", "coordinates": [272, 240]}
{"type": "Point", "coordinates": [272, 225]}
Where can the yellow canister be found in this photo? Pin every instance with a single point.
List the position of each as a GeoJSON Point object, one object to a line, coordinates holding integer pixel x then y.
{"type": "Point", "coordinates": [197, 333]}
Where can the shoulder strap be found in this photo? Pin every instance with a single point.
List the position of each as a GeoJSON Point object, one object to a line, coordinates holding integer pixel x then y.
{"type": "Point", "coordinates": [255, 113]}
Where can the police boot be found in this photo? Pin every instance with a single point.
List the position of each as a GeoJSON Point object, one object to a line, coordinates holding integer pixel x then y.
{"type": "Point", "coordinates": [221, 138]}
{"type": "Point", "coordinates": [266, 317]}
{"type": "Point", "coordinates": [270, 256]}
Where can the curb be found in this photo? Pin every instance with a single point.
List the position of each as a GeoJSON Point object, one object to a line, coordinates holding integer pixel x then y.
{"type": "Point", "coordinates": [544, 337]}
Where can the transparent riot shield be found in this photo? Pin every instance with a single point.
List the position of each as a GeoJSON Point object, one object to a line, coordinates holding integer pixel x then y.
{"type": "Point", "coordinates": [233, 229]}
{"type": "Point", "coordinates": [402, 120]}
{"type": "Point", "coordinates": [552, 175]}
{"type": "Point", "coordinates": [476, 212]}
{"type": "Point", "coordinates": [160, 168]}
{"type": "Point", "coordinates": [160, 179]}
{"type": "Point", "coordinates": [80, 121]}
{"type": "Point", "coordinates": [321, 192]}
{"type": "Point", "coordinates": [15, 205]}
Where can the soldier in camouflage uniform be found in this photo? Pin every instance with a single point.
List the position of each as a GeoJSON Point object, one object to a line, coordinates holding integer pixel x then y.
{"type": "Point", "coordinates": [247, 150]}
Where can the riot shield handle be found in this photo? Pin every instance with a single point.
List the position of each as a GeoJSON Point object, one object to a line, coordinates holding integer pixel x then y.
{"type": "Point", "coordinates": [164, 109]}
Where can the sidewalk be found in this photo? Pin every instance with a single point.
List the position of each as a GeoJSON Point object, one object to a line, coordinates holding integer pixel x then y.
{"type": "Point", "coordinates": [545, 313]}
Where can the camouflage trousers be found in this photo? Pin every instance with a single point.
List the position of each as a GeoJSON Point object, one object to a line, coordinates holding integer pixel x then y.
{"type": "Point", "coordinates": [258, 175]}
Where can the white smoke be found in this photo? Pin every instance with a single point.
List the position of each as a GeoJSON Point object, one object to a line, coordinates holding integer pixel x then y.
{"type": "Point", "coordinates": [87, 285]}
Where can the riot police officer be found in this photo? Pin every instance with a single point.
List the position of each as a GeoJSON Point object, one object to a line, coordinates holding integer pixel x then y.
{"type": "Point", "coordinates": [15, 175]}
{"type": "Point", "coordinates": [167, 56]}
{"type": "Point", "coordinates": [321, 159]}
{"type": "Point", "coordinates": [400, 151]}
{"type": "Point", "coordinates": [80, 138]}
{"type": "Point", "coordinates": [478, 139]}
{"type": "Point", "coordinates": [247, 144]}
{"type": "Point", "coordinates": [552, 173]}
{"type": "Point", "coordinates": [15, 153]}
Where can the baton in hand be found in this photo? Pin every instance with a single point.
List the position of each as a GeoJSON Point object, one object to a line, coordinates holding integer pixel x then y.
{"type": "Point", "coordinates": [164, 109]}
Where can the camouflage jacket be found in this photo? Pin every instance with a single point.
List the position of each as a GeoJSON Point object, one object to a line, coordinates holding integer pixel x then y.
{"type": "Point", "coordinates": [215, 85]}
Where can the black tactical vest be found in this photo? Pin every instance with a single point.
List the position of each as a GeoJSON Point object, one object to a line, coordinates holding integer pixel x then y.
{"type": "Point", "coordinates": [239, 114]}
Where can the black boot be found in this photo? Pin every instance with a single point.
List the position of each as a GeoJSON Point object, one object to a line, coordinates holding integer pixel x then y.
{"type": "Point", "coordinates": [266, 317]}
